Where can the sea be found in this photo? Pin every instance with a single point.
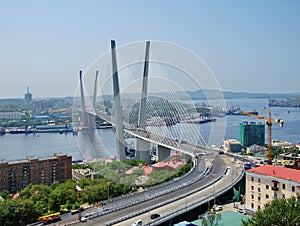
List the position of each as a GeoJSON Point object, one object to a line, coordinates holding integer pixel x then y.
{"type": "Point", "coordinates": [101, 143]}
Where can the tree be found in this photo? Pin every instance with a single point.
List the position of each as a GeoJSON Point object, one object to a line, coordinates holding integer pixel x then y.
{"type": "Point", "coordinates": [17, 212]}
{"type": "Point", "coordinates": [211, 218]}
{"type": "Point", "coordinates": [64, 193]}
{"type": "Point", "coordinates": [278, 212]}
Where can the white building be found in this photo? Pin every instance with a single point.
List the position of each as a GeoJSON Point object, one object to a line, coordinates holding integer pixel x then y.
{"type": "Point", "coordinates": [10, 115]}
{"type": "Point", "coordinates": [267, 182]}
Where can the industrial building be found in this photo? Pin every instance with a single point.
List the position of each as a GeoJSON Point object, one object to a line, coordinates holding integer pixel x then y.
{"type": "Point", "coordinates": [16, 175]}
{"type": "Point", "coordinates": [268, 182]}
{"type": "Point", "coordinates": [252, 133]}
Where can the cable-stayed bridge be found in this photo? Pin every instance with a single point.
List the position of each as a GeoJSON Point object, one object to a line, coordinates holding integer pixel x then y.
{"type": "Point", "coordinates": [167, 121]}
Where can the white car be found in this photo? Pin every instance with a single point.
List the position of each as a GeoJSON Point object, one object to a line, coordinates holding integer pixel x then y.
{"type": "Point", "coordinates": [241, 210]}
{"type": "Point", "coordinates": [217, 208]}
{"type": "Point", "coordinates": [137, 223]}
{"type": "Point", "coordinates": [83, 219]}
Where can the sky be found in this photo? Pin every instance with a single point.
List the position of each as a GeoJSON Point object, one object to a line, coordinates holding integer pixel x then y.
{"type": "Point", "coordinates": [251, 46]}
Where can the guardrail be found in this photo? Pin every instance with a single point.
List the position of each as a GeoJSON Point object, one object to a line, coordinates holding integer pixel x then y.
{"type": "Point", "coordinates": [196, 204]}
{"type": "Point", "coordinates": [192, 206]}
{"type": "Point", "coordinates": [160, 185]}
{"type": "Point", "coordinates": [99, 213]}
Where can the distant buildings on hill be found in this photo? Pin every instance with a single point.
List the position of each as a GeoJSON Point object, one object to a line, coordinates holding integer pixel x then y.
{"type": "Point", "coordinates": [171, 165]}
{"type": "Point", "coordinates": [16, 175]}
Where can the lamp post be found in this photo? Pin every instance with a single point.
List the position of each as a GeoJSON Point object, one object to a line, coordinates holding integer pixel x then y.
{"type": "Point", "coordinates": [107, 192]}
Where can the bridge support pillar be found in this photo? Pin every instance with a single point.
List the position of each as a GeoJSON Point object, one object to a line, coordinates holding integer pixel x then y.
{"type": "Point", "coordinates": [143, 150]}
{"type": "Point", "coordinates": [163, 153]}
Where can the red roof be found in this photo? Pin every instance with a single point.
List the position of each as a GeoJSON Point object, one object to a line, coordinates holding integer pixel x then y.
{"type": "Point", "coordinates": [278, 172]}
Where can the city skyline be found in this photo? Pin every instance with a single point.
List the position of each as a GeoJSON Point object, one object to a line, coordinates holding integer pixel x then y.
{"type": "Point", "coordinates": [250, 46]}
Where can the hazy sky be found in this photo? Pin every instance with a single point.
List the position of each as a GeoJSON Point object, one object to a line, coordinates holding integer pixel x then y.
{"type": "Point", "coordinates": [251, 46]}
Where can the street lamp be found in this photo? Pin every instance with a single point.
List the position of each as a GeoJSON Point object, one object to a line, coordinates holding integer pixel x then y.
{"type": "Point", "coordinates": [107, 192]}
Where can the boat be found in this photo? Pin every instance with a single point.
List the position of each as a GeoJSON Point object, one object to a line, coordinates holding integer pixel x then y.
{"type": "Point", "coordinates": [26, 130]}
{"type": "Point", "coordinates": [199, 120]}
{"type": "Point", "coordinates": [53, 129]}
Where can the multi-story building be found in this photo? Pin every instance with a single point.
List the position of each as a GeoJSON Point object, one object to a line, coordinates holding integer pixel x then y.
{"type": "Point", "coordinates": [232, 145]}
{"type": "Point", "coordinates": [28, 96]}
{"type": "Point", "coordinates": [11, 115]}
{"type": "Point", "coordinates": [252, 133]}
{"type": "Point", "coordinates": [16, 175]}
{"type": "Point", "coordinates": [78, 174]}
{"type": "Point", "coordinates": [268, 182]}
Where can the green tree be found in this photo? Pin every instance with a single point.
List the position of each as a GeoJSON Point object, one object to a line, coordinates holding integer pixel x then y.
{"type": "Point", "coordinates": [212, 218]}
{"type": "Point", "coordinates": [39, 195]}
{"type": "Point", "coordinates": [63, 194]}
{"type": "Point", "coordinates": [278, 212]}
{"type": "Point", "coordinates": [17, 212]}
{"type": "Point", "coordinates": [84, 182]}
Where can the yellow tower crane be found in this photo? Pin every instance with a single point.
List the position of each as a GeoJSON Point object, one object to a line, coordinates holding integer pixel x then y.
{"type": "Point", "coordinates": [269, 122]}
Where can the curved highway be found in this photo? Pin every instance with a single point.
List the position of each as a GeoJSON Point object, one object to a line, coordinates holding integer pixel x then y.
{"type": "Point", "coordinates": [219, 167]}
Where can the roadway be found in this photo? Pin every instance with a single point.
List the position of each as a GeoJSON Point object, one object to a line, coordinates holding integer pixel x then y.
{"type": "Point", "coordinates": [155, 138]}
{"type": "Point", "coordinates": [183, 203]}
{"type": "Point", "coordinates": [219, 166]}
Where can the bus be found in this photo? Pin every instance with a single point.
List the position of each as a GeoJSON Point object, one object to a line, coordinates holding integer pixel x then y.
{"type": "Point", "coordinates": [49, 217]}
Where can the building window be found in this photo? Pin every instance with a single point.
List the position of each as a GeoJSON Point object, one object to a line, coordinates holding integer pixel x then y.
{"type": "Point", "coordinates": [258, 198]}
{"type": "Point", "coordinates": [252, 178]}
{"type": "Point", "coordinates": [252, 205]}
{"type": "Point", "coordinates": [283, 196]}
{"type": "Point", "coordinates": [252, 188]}
{"type": "Point", "coordinates": [293, 188]}
{"type": "Point", "coordinates": [267, 196]}
{"type": "Point", "coordinates": [252, 196]}
{"type": "Point", "coordinates": [258, 180]}
{"type": "Point", "coordinates": [283, 186]}
{"type": "Point", "coordinates": [258, 207]}
{"type": "Point", "coordinates": [275, 195]}
{"type": "Point", "coordinates": [258, 189]}
{"type": "Point", "coordinates": [267, 186]}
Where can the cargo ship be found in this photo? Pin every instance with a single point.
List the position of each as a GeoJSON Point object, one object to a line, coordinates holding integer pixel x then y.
{"type": "Point", "coordinates": [53, 129]}
{"type": "Point", "coordinates": [25, 130]}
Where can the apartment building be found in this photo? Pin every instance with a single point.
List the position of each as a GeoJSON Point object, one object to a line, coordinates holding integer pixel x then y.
{"type": "Point", "coordinates": [268, 182]}
{"type": "Point", "coordinates": [16, 175]}
{"type": "Point", "coordinates": [78, 174]}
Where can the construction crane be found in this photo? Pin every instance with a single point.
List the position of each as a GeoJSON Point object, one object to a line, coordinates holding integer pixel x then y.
{"type": "Point", "coordinates": [269, 122]}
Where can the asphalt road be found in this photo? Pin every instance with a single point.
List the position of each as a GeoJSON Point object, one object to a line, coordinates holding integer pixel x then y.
{"type": "Point", "coordinates": [218, 168]}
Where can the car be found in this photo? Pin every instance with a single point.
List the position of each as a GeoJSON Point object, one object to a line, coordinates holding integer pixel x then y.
{"type": "Point", "coordinates": [154, 215]}
{"type": "Point", "coordinates": [137, 223]}
{"type": "Point", "coordinates": [217, 208]}
{"type": "Point", "coordinates": [83, 219]}
{"type": "Point", "coordinates": [241, 210]}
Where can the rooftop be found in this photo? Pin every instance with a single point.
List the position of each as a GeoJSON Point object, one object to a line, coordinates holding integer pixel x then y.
{"type": "Point", "coordinates": [278, 172]}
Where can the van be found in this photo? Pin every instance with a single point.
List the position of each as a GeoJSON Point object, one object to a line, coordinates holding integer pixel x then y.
{"type": "Point", "coordinates": [241, 210]}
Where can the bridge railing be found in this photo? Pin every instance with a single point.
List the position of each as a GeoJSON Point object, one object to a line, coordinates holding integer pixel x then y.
{"type": "Point", "coordinates": [198, 203]}
{"type": "Point", "coordinates": [160, 193]}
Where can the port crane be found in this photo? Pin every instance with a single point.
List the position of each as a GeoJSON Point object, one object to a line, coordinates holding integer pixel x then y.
{"type": "Point", "coordinates": [269, 122]}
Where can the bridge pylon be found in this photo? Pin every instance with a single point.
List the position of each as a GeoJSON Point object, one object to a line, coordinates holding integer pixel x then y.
{"type": "Point", "coordinates": [143, 147]}
{"type": "Point", "coordinates": [117, 105]}
{"type": "Point", "coordinates": [83, 109]}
